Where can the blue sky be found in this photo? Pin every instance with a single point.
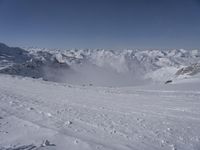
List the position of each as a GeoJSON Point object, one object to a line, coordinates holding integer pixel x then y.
{"type": "Point", "coordinates": [100, 23]}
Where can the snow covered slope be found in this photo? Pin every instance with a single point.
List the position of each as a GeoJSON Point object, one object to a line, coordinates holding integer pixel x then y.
{"type": "Point", "coordinates": [40, 115]}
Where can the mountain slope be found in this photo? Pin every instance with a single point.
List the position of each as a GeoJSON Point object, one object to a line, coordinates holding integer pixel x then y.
{"type": "Point", "coordinates": [45, 115]}
{"type": "Point", "coordinates": [16, 61]}
{"type": "Point", "coordinates": [96, 66]}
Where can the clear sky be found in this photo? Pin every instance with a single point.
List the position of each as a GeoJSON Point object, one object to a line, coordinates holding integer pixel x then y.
{"type": "Point", "coordinates": [100, 23]}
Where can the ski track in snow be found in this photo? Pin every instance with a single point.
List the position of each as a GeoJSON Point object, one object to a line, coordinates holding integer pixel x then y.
{"type": "Point", "coordinates": [76, 117]}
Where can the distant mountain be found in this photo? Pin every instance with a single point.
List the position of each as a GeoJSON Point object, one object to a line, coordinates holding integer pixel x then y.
{"type": "Point", "coordinates": [53, 64]}
{"type": "Point", "coordinates": [127, 60]}
{"type": "Point", "coordinates": [12, 55]}
{"type": "Point", "coordinates": [17, 61]}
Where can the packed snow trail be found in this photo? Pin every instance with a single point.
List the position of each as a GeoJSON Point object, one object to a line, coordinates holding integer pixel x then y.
{"type": "Point", "coordinates": [35, 114]}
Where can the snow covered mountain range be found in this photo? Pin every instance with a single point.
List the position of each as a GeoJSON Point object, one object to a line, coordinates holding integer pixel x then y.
{"type": "Point", "coordinates": [84, 65]}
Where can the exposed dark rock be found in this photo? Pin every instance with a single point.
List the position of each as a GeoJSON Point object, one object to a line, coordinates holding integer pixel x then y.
{"type": "Point", "coordinates": [14, 54]}
{"type": "Point", "coordinates": [168, 81]}
{"type": "Point", "coordinates": [44, 65]}
{"type": "Point", "coordinates": [189, 70]}
{"type": "Point", "coordinates": [47, 143]}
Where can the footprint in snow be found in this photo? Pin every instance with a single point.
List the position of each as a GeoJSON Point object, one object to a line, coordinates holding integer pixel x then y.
{"type": "Point", "coordinates": [76, 141]}
{"type": "Point", "coordinates": [13, 103]}
{"type": "Point", "coordinates": [49, 114]}
{"type": "Point", "coordinates": [30, 108]}
{"type": "Point", "coordinates": [46, 114]}
{"type": "Point", "coordinates": [67, 123]}
{"type": "Point", "coordinates": [47, 143]}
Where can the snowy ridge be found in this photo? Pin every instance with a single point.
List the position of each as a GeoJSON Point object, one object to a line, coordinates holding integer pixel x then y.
{"type": "Point", "coordinates": [157, 65]}
{"type": "Point", "coordinates": [127, 60]}
{"type": "Point", "coordinates": [83, 65]}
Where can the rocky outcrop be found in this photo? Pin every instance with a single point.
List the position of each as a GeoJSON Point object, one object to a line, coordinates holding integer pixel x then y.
{"type": "Point", "coordinates": [189, 70]}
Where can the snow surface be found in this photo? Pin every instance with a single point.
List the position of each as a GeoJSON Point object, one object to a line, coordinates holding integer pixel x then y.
{"type": "Point", "coordinates": [35, 114]}
{"type": "Point", "coordinates": [99, 99]}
